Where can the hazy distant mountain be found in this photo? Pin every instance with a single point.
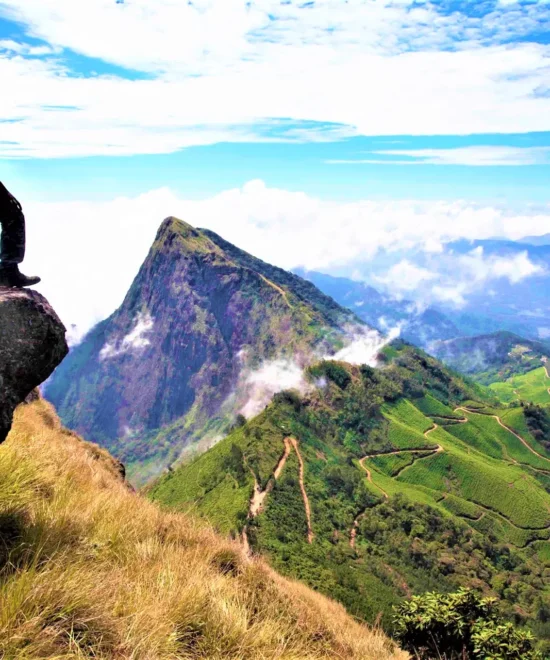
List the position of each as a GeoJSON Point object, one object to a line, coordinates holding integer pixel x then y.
{"type": "Point", "coordinates": [536, 240]}
{"type": "Point", "coordinates": [379, 310]}
{"type": "Point", "coordinates": [477, 287]}
{"type": "Point", "coordinates": [521, 307]}
{"type": "Point", "coordinates": [161, 368]}
{"type": "Point", "coordinates": [493, 357]}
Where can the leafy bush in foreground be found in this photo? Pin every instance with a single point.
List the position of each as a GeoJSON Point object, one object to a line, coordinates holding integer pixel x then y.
{"type": "Point", "coordinates": [461, 626]}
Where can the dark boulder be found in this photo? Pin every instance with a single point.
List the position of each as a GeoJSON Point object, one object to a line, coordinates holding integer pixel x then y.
{"type": "Point", "coordinates": [32, 344]}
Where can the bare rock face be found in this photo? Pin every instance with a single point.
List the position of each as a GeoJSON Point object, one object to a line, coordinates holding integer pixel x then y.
{"type": "Point", "coordinates": [32, 344]}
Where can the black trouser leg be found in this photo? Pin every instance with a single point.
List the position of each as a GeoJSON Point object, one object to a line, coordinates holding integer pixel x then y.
{"type": "Point", "coordinates": [12, 245]}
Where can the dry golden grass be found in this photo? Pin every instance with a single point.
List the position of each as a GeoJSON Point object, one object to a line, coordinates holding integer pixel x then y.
{"type": "Point", "coordinates": [89, 569]}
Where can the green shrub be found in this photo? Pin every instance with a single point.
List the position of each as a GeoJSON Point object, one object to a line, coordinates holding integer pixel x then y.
{"type": "Point", "coordinates": [461, 626]}
{"type": "Point", "coordinates": [334, 371]}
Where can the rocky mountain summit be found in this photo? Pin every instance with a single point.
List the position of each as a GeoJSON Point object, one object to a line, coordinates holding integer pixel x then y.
{"type": "Point", "coordinates": [32, 345]}
{"type": "Point", "coordinates": [162, 371]}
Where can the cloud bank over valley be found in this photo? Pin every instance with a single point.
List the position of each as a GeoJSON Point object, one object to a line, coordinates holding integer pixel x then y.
{"type": "Point", "coordinates": [104, 243]}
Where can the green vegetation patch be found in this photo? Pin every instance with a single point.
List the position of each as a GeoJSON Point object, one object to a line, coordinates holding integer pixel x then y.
{"type": "Point", "coordinates": [431, 407]}
{"type": "Point", "coordinates": [499, 487]}
{"type": "Point", "coordinates": [462, 508]}
{"type": "Point", "coordinates": [393, 464]}
{"type": "Point", "coordinates": [406, 413]}
{"type": "Point", "coordinates": [532, 386]}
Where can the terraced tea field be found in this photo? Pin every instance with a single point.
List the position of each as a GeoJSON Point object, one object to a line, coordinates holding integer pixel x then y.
{"type": "Point", "coordinates": [533, 386]}
{"type": "Point", "coordinates": [476, 463]}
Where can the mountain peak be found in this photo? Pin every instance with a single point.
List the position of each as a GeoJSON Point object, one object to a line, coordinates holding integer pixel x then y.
{"type": "Point", "coordinates": [198, 314]}
{"type": "Point", "coordinates": [172, 225]}
{"type": "Point", "coordinates": [177, 235]}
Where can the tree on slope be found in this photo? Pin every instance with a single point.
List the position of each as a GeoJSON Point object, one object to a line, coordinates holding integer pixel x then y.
{"type": "Point", "coordinates": [459, 626]}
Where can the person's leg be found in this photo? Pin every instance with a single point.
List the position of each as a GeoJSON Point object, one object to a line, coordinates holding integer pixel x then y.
{"type": "Point", "coordinates": [12, 243]}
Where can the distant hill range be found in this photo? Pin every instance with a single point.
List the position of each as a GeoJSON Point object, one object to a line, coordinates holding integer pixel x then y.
{"type": "Point", "coordinates": [521, 306]}
{"type": "Point", "coordinates": [379, 310]}
{"type": "Point", "coordinates": [493, 357]}
{"type": "Point", "coordinates": [165, 368]}
{"type": "Point", "coordinates": [536, 240]}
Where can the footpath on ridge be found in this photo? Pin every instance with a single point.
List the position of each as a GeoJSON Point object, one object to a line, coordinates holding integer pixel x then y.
{"type": "Point", "coordinates": [257, 501]}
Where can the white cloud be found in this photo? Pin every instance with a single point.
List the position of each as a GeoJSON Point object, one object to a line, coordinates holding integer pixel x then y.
{"type": "Point", "coordinates": [364, 346]}
{"type": "Point", "coordinates": [405, 276]}
{"type": "Point", "coordinates": [135, 340]}
{"type": "Point", "coordinates": [454, 294]}
{"type": "Point", "coordinates": [514, 268]}
{"type": "Point", "coordinates": [544, 333]}
{"type": "Point", "coordinates": [454, 277]}
{"type": "Point", "coordinates": [477, 156]}
{"type": "Point", "coordinates": [220, 71]}
{"type": "Point", "coordinates": [89, 252]}
{"type": "Point", "coordinates": [259, 386]}
{"type": "Point", "coordinates": [201, 36]}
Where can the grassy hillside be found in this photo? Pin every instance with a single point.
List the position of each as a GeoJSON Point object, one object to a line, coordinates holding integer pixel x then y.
{"type": "Point", "coordinates": [533, 386]}
{"type": "Point", "coordinates": [90, 569]}
{"type": "Point", "coordinates": [411, 486]}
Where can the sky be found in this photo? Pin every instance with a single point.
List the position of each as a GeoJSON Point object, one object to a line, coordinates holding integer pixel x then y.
{"type": "Point", "coordinates": [311, 133]}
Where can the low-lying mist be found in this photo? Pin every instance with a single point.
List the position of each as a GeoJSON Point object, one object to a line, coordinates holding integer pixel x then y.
{"type": "Point", "coordinates": [257, 386]}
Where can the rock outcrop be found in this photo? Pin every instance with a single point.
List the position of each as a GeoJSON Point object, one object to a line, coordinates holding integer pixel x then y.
{"type": "Point", "coordinates": [32, 344]}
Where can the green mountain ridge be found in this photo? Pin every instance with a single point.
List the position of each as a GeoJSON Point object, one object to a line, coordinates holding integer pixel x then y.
{"type": "Point", "coordinates": [379, 484]}
{"type": "Point", "coordinates": [493, 357]}
{"type": "Point", "coordinates": [160, 373]}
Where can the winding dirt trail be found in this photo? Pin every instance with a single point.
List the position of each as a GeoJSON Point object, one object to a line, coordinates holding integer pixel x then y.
{"type": "Point", "coordinates": [501, 423]}
{"type": "Point", "coordinates": [369, 473]}
{"type": "Point", "coordinates": [303, 489]}
{"type": "Point", "coordinates": [257, 500]}
{"type": "Point", "coordinates": [278, 289]}
{"type": "Point", "coordinates": [259, 495]}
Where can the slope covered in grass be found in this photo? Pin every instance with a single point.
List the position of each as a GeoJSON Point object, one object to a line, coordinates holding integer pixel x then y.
{"type": "Point", "coordinates": [90, 569]}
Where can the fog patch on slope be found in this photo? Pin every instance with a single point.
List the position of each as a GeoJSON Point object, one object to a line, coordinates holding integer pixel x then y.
{"type": "Point", "coordinates": [259, 386]}
{"type": "Point", "coordinates": [136, 339]}
{"type": "Point", "coordinates": [364, 346]}
{"type": "Point", "coordinates": [271, 377]}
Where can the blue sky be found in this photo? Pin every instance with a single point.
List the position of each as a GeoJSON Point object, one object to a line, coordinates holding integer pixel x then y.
{"type": "Point", "coordinates": [368, 115]}
{"type": "Point", "coordinates": [325, 170]}
{"type": "Point", "coordinates": [405, 85]}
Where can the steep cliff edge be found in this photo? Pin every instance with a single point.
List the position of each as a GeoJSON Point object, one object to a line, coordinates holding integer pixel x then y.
{"type": "Point", "coordinates": [32, 345]}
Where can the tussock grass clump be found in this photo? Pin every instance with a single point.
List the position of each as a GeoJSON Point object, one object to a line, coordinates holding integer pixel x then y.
{"type": "Point", "coordinates": [90, 569]}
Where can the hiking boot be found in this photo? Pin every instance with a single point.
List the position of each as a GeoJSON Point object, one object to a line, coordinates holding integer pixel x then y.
{"type": "Point", "coordinates": [11, 277]}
